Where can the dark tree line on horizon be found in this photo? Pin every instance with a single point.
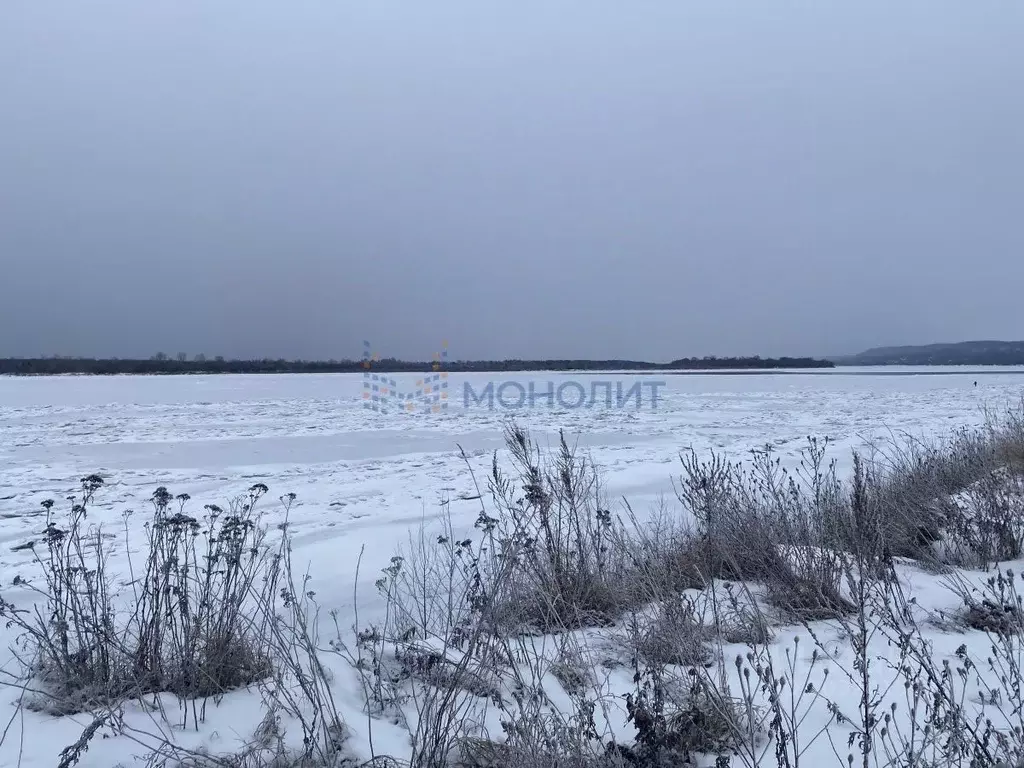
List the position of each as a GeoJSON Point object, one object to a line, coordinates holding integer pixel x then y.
{"type": "Point", "coordinates": [200, 364]}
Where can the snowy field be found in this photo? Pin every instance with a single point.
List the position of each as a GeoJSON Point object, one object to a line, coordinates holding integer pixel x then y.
{"type": "Point", "coordinates": [362, 475]}
{"type": "Point", "coordinates": [363, 478]}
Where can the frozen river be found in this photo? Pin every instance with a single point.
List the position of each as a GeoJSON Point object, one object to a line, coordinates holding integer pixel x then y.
{"type": "Point", "coordinates": [355, 469]}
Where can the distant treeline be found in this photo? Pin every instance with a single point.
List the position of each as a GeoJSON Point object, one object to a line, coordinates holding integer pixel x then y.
{"type": "Point", "coordinates": [161, 364]}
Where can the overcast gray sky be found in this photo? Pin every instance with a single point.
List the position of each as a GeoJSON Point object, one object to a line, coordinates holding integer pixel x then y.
{"type": "Point", "coordinates": [528, 179]}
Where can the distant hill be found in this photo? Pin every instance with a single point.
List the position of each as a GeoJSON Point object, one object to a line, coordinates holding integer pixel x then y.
{"type": "Point", "coordinates": [959, 353]}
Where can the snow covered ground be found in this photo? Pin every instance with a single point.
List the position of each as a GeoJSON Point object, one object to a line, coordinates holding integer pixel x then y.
{"type": "Point", "coordinates": [363, 478]}
{"type": "Point", "coordinates": [362, 475]}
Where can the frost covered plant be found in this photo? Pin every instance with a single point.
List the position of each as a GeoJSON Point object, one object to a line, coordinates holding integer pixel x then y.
{"type": "Point", "coordinates": [678, 716]}
{"type": "Point", "coordinates": [435, 661]}
{"type": "Point", "coordinates": [192, 633]}
{"type": "Point", "coordinates": [762, 522]}
{"type": "Point", "coordinates": [951, 501]}
{"type": "Point", "coordinates": [550, 516]}
{"type": "Point", "coordinates": [71, 642]}
{"type": "Point", "coordinates": [673, 635]}
{"type": "Point", "coordinates": [184, 628]}
{"type": "Point", "coordinates": [964, 710]}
